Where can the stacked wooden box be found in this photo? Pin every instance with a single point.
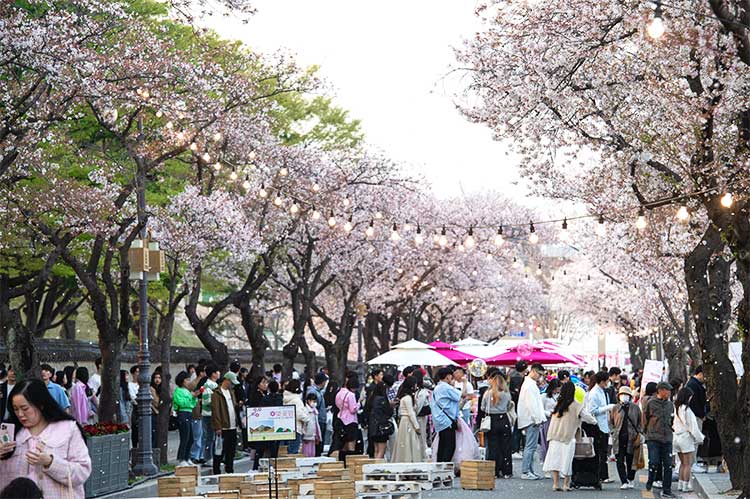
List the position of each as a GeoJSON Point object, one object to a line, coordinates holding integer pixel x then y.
{"type": "Point", "coordinates": [176, 486]}
{"type": "Point", "coordinates": [478, 475]}
{"type": "Point", "coordinates": [429, 475]}
{"type": "Point", "coordinates": [189, 471]}
{"type": "Point", "coordinates": [301, 486]}
{"type": "Point", "coordinates": [355, 465]}
{"type": "Point", "coordinates": [332, 471]}
{"type": "Point", "coordinates": [334, 489]}
{"type": "Point", "coordinates": [223, 494]}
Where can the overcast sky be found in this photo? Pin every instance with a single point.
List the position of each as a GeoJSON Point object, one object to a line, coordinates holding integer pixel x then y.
{"type": "Point", "coordinates": [385, 61]}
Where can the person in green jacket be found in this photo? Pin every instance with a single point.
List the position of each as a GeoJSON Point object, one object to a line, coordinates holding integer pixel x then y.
{"type": "Point", "coordinates": [183, 402]}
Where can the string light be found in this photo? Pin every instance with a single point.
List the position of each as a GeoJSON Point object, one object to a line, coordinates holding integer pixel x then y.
{"type": "Point", "coordinates": [515, 263]}
{"type": "Point", "coordinates": [346, 202]}
{"type": "Point", "coordinates": [263, 192]}
{"type": "Point", "coordinates": [640, 222]}
{"type": "Point", "coordinates": [233, 175]}
{"type": "Point", "coordinates": [470, 242]}
{"type": "Point", "coordinates": [217, 137]}
{"type": "Point", "coordinates": [316, 188]}
{"type": "Point", "coordinates": [600, 228]}
{"type": "Point", "coordinates": [332, 220]}
{"type": "Point", "coordinates": [180, 136]}
{"type": "Point", "coordinates": [682, 214]}
{"type": "Point", "coordinates": [533, 237]}
{"type": "Point", "coordinates": [370, 230]}
{"type": "Point", "coordinates": [564, 234]}
{"type": "Point", "coordinates": [294, 209]}
{"type": "Point", "coordinates": [395, 237]}
{"type": "Point", "coordinates": [252, 155]}
{"type": "Point", "coordinates": [443, 239]}
{"type": "Point", "coordinates": [315, 214]}
{"type": "Point", "coordinates": [348, 225]}
{"type": "Point", "coordinates": [159, 114]}
{"type": "Point", "coordinates": [378, 215]}
{"type": "Point", "coordinates": [284, 171]}
{"type": "Point", "coordinates": [193, 146]}
{"type": "Point", "coordinates": [278, 200]}
{"type": "Point", "coordinates": [217, 166]}
{"type": "Point", "coordinates": [539, 270]}
{"type": "Point", "coordinates": [418, 239]}
{"type": "Point", "coordinates": [206, 157]}
{"type": "Point", "coordinates": [489, 256]}
{"type": "Point", "coordinates": [246, 183]}
{"type": "Point", "coordinates": [499, 237]}
{"type": "Point", "coordinates": [656, 28]}
{"type": "Point", "coordinates": [727, 200]}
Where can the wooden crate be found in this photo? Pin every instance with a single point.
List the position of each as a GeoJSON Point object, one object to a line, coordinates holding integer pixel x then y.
{"type": "Point", "coordinates": [176, 486]}
{"type": "Point", "coordinates": [430, 476]}
{"type": "Point", "coordinates": [296, 483]}
{"type": "Point", "coordinates": [340, 474]}
{"type": "Point", "coordinates": [334, 489]}
{"type": "Point", "coordinates": [332, 465]}
{"type": "Point", "coordinates": [350, 458]}
{"type": "Point", "coordinates": [230, 482]}
{"type": "Point", "coordinates": [223, 494]}
{"type": "Point", "coordinates": [186, 471]}
{"type": "Point", "coordinates": [478, 475]}
{"type": "Point", "coordinates": [355, 466]}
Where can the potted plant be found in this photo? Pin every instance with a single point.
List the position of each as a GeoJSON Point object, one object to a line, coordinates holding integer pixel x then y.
{"type": "Point", "coordinates": [108, 447]}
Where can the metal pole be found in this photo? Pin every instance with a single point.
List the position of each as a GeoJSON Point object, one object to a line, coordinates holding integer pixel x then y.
{"type": "Point", "coordinates": [360, 364]}
{"type": "Point", "coordinates": [143, 462]}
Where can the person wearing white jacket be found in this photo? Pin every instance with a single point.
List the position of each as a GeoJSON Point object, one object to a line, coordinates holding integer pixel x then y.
{"type": "Point", "coordinates": [530, 418]}
{"type": "Point", "coordinates": [293, 396]}
{"type": "Point", "coordinates": [687, 436]}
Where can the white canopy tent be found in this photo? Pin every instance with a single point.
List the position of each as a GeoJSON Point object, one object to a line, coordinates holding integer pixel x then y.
{"type": "Point", "coordinates": [412, 353]}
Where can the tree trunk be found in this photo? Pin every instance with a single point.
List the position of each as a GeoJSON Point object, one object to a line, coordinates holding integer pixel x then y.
{"type": "Point", "coordinates": [110, 346]}
{"type": "Point", "coordinates": [68, 329]}
{"type": "Point", "coordinates": [252, 322]}
{"type": "Point", "coordinates": [22, 352]}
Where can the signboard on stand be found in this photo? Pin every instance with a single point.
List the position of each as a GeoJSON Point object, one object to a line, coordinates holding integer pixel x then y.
{"type": "Point", "coordinates": [271, 424]}
{"type": "Point", "coordinates": [653, 371]}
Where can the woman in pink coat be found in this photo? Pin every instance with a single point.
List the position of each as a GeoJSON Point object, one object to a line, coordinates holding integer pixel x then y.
{"type": "Point", "coordinates": [48, 446]}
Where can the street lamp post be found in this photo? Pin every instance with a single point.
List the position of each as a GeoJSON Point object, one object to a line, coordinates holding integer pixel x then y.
{"type": "Point", "coordinates": [143, 461]}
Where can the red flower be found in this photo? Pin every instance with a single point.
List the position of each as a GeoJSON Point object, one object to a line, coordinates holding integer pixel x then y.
{"type": "Point", "coordinates": [99, 429]}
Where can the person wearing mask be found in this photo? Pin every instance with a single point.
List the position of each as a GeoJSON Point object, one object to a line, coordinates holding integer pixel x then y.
{"type": "Point", "coordinates": [598, 405]}
{"type": "Point", "coordinates": [346, 403]}
{"type": "Point", "coordinates": [183, 403]}
{"type": "Point", "coordinates": [311, 435]}
{"type": "Point", "coordinates": [155, 387]}
{"type": "Point", "coordinates": [530, 419]}
{"type": "Point", "coordinates": [49, 447]}
{"type": "Point", "coordinates": [224, 422]}
{"type": "Point", "coordinates": [549, 400]}
{"type": "Point", "coordinates": [698, 404]}
{"type": "Point", "coordinates": [273, 398]}
{"type": "Point", "coordinates": [408, 447]}
{"type": "Point", "coordinates": [565, 420]}
{"type": "Point", "coordinates": [293, 396]}
{"type": "Point", "coordinates": [444, 409]}
{"type": "Point", "coordinates": [379, 413]}
{"type": "Point", "coordinates": [687, 436]}
{"type": "Point", "coordinates": [658, 416]}
{"type": "Point", "coordinates": [515, 381]}
{"type": "Point", "coordinates": [496, 404]}
{"type": "Point", "coordinates": [207, 431]}
{"type": "Point", "coordinates": [318, 389]}
{"type": "Point", "coordinates": [625, 422]}
{"type": "Point", "coordinates": [5, 388]}
{"type": "Point", "coordinates": [57, 392]}
{"type": "Point", "coordinates": [95, 380]}
{"type": "Point", "coordinates": [83, 402]}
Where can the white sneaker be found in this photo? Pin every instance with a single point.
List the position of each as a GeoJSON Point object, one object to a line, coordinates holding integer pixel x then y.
{"type": "Point", "coordinates": [518, 455]}
{"type": "Point", "coordinates": [625, 486]}
{"type": "Point", "coordinates": [529, 476]}
{"type": "Point", "coordinates": [608, 480]}
{"type": "Point", "coordinates": [631, 485]}
{"type": "Point", "coordinates": [657, 485]}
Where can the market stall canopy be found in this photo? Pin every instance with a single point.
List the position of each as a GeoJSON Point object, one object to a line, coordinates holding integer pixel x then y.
{"type": "Point", "coordinates": [412, 353]}
{"type": "Point", "coordinates": [453, 353]}
{"type": "Point", "coordinates": [533, 353]}
{"type": "Point", "coordinates": [469, 342]}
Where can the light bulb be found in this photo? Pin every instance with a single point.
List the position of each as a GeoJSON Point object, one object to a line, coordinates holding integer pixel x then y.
{"type": "Point", "coordinates": [169, 125]}
{"type": "Point", "coordinates": [600, 230]}
{"type": "Point", "coordinates": [316, 188]}
{"type": "Point", "coordinates": [656, 28]}
{"type": "Point", "coordinates": [294, 209]}
{"type": "Point", "coordinates": [727, 200]}
{"type": "Point", "coordinates": [640, 222]}
{"type": "Point", "coordinates": [315, 214]}
{"type": "Point", "coordinates": [564, 234]}
{"type": "Point", "coordinates": [284, 171]}
{"type": "Point", "coordinates": [193, 146]}
{"type": "Point", "coordinates": [370, 230]}
{"type": "Point", "coordinates": [418, 239]}
{"type": "Point", "coordinates": [348, 225]}
{"type": "Point", "coordinates": [443, 239]}
{"type": "Point", "coordinates": [533, 238]}
{"type": "Point", "coordinates": [246, 183]}
{"type": "Point", "coordinates": [489, 256]}
{"type": "Point", "coordinates": [682, 214]}
{"type": "Point", "coordinates": [263, 192]}
{"type": "Point", "coordinates": [499, 237]}
{"type": "Point", "coordinates": [251, 155]}
{"type": "Point", "coordinates": [470, 242]}
{"type": "Point", "coordinates": [217, 137]}
{"type": "Point", "coordinates": [180, 136]}
{"type": "Point", "coordinates": [206, 157]}
{"type": "Point", "coordinates": [332, 220]}
{"type": "Point", "coordinates": [278, 200]}
{"type": "Point", "coordinates": [515, 263]}
{"type": "Point", "coordinates": [378, 215]}
{"type": "Point", "coordinates": [217, 166]}
{"type": "Point", "coordinates": [395, 237]}
{"type": "Point", "coordinates": [233, 175]}
{"type": "Point", "coordinates": [159, 113]}
{"type": "Point", "coordinates": [346, 202]}
{"type": "Point", "coordinates": [146, 94]}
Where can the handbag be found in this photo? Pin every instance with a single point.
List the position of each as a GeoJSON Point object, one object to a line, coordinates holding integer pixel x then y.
{"type": "Point", "coordinates": [385, 429]}
{"type": "Point", "coordinates": [486, 424]}
{"type": "Point", "coordinates": [511, 412]}
{"type": "Point", "coordinates": [584, 445]}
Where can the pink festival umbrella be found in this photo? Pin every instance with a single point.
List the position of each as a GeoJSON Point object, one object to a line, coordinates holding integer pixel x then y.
{"type": "Point", "coordinates": [449, 351]}
{"type": "Point", "coordinates": [532, 353]}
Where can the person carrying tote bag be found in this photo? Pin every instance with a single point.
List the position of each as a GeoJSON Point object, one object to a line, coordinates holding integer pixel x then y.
{"type": "Point", "coordinates": [565, 442]}
{"type": "Point", "coordinates": [499, 429]}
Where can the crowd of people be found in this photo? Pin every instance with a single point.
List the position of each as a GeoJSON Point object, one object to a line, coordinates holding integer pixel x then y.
{"type": "Point", "coordinates": [560, 425]}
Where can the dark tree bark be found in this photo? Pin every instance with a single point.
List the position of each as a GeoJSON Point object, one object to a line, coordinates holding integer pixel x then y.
{"type": "Point", "coordinates": [252, 323]}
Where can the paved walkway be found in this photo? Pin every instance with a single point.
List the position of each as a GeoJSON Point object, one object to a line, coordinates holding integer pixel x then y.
{"type": "Point", "coordinates": [713, 485]}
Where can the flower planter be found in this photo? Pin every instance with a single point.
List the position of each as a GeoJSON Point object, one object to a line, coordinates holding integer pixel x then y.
{"type": "Point", "coordinates": [109, 463]}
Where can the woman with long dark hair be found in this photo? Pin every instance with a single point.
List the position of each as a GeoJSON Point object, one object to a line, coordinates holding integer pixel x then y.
{"type": "Point", "coordinates": [408, 442]}
{"type": "Point", "coordinates": [566, 420]}
{"type": "Point", "coordinates": [379, 413]}
{"type": "Point", "coordinates": [155, 403]}
{"type": "Point", "coordinates": [69, 372]}
{"type": "Point", "coordinates": [83, 402]}
{"type": "Point", "coordinates": [49, 447]}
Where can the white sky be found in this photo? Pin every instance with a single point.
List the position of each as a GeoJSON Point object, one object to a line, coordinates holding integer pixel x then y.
{"type": "Point", "coordinates": [384, 61]}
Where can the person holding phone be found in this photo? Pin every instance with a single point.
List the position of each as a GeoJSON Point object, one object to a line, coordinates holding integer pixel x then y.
{"type": "Point", "coordinates": [49, 446]}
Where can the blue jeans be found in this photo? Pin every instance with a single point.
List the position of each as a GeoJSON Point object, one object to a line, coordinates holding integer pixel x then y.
{"type": "Point", "coordinates": [532, 442]}
{"type": "Point", "coordinates": [196, 451]}
{"type": "Point", "coordinates": [293, 446]}
{"type": "Point", "coordinates": [660, 458]}
{"type": "Point", "coordinates": [184, 420]}
{"type": "Point", "coordinates": [207, 439]}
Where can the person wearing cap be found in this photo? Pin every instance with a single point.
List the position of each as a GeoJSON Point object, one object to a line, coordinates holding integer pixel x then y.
{"type": "Point", "coordinates": [224, 421]}
{"type": "Point", "coordinates": [658, 416]}
{"type": "Point", "coordinates": [318, 389]}
{"type": "Point", "coordinates": [625, 423]}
